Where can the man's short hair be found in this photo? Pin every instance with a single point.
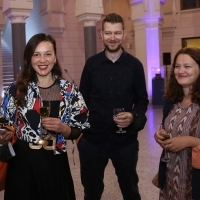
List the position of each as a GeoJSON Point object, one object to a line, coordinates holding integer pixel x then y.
{"type": "Point", "coordinates": [113, 18]}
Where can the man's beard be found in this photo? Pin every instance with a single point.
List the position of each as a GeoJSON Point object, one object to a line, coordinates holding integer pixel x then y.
{"type": "Point", "coordinates": [112, 50]}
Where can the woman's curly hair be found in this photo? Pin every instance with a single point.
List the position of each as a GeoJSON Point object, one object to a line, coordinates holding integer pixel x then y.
{"type": "Point", "coordinates": [174, 91]}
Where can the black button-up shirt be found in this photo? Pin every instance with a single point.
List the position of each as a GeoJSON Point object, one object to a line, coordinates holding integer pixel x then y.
{"type": "Point", "coordinates": [106, 85]}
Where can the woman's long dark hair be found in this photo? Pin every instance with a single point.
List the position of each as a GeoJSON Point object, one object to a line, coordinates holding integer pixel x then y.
{"type": "Point", "coordinates": [28, 74]}
{"type": "Point", "coordinates": [173, 91]}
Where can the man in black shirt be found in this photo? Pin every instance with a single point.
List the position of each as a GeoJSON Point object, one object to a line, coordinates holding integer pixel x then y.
{"type": "Point", "coordinates": [112, 79]}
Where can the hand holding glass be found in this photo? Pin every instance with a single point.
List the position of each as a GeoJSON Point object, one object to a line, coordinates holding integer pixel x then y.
{"type": "Point", "coordinates": [115, 112]}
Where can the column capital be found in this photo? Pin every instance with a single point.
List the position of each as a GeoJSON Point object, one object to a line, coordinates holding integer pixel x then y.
{"type": "Point", "coordinates": [52, 15]}
{"type": "Point", "coordinates": [147, 23]}
{"type": "Point", "coordinates": [142, 9]}
{"type": "Point", "coordinates": [89, 19]}
{"type": "Point", "coordinates": [17, 11]}
{"type": "Point", "coordinates": [89, 11]}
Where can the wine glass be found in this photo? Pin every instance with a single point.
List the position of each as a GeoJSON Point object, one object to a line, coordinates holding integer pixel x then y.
{"type": "Point", "coordinates": [44, 112]}
{"type": "Point", "coordinates": [45, 109]}
{"type": "Point", "coordinates": [115, 112]}
{"type": "Point", "coordinates": [166, 136]}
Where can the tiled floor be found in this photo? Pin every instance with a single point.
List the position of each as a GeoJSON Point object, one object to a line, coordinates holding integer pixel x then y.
{"type": "Point", "coordinates": [147, 165]}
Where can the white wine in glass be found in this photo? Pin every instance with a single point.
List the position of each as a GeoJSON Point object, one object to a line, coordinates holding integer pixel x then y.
{"type": "Point", "coordinates": [45, 109]}
{"type": "Point", "coordinates": [44, 112]}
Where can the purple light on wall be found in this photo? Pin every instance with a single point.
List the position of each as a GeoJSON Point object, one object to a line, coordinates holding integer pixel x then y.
{"type": "Point", "coordinates": [153, 55]}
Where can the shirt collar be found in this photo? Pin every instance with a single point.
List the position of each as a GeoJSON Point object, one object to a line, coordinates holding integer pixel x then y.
{"type": "Point", "coordinates": [122, 58]}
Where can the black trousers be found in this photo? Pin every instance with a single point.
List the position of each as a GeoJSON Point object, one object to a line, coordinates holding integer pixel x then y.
{"type": "Point", "coordinates": [93, 161]}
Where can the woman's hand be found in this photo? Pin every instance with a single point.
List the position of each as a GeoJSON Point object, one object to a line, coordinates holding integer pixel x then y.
{"type": "Point", "coordinates": [159, 138]}
{"type": "Point", "coordinates": [55, 125]}
{"type": "Point", "coordinates": [179, 143]}
{"type": "Point", "coordinates": [5, 136]}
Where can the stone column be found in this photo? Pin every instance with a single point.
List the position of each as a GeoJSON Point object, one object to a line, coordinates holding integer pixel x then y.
{"type": "Point", "coordinates": [147, 17]}
{"type": "Point", "coordinates": [90, 39]}
{"type": "Point", "coordinates": [2, 23]}
{"type": "Point", "coordinates": [89, 12]}
{"type": "Point", "coordinates": [17, 11]}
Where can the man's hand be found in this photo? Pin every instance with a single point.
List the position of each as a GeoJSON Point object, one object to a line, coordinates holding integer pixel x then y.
{"type": "Point", "coordinates": [123, 119]}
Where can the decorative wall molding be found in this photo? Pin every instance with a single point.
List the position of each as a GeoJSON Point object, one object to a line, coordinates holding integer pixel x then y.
{"type": "Point", "coordinates": [170, 17]}
{"type": "Point", "coordinates": [90, 3]}
{"type": "Point", "coordinates": [17, 11]}
{"type": "Point", "coordinates": [89, 19]}
{"type": "Point", "coordinates": [132, 2]}
{"type": "Point", "coordinates": [53, 14]}
{"type": "Point", "coordinates": [89, 11]}
{"type": "Point", "coordinates": [195, 13]}
{"type": "Point", "coordinates": [142, 9]}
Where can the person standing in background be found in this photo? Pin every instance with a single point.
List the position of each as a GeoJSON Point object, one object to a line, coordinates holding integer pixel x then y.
{"type": "Point", "coordinates": [112, 79]}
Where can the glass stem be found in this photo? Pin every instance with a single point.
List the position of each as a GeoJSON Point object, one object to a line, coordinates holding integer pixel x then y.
{"type": "Point", "coordinates": [165, 152]}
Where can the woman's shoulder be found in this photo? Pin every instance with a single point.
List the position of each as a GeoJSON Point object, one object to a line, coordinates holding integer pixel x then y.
{"type": "Point", "coordinates": [66, 84]}
{"type": "Point", "coordinates": [11, 89]}
{"type": "Point", "coordinates": [63, 81]}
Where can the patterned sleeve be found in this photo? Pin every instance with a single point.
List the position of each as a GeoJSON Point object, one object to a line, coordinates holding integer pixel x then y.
{"type": "Point", "coordinates": [79, 111]}
{"type": "Point", "coordinates": [8, 107]}
{"type": "Point", "coordinates": [75, 113]}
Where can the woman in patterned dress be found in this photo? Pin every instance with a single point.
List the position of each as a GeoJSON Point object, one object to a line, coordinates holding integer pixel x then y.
{"type": "Point", "coordinates": [183, 126]}
{"type": "Point", "coordinates": [40, 169]}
